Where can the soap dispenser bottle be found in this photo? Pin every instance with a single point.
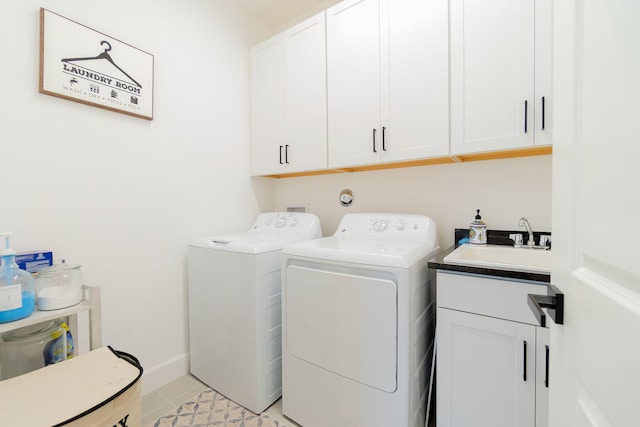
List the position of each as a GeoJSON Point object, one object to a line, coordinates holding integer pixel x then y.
{"type": "Point", "coordinates": [478, 230]}
{"type": "Point", "coordinates": [17, 288]}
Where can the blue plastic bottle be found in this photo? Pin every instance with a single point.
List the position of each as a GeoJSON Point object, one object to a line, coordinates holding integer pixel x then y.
{"type": "Point", "coordinates": [17, 288]}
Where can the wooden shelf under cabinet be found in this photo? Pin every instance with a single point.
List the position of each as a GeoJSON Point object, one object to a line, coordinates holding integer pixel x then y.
{"type": "Point", "coordinates": [461, 158]}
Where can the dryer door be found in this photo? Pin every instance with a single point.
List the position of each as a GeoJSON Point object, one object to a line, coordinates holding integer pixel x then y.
{"type": "Point", "coordinates": [343, 323]}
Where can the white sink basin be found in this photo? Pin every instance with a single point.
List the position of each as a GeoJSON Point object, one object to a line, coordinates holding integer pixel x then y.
{"type": "Point", "coordinates": [502, 258]}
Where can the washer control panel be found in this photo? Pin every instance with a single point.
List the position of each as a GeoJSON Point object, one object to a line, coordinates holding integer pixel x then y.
{"type": "Point", "coordinates": [386, 226]}
{"type": "Point", "coordinates": [286, 223]}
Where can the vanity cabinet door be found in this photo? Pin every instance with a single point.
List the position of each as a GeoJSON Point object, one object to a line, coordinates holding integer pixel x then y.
{"type": "Point", "coordinates": [542, 377]}
{"type": "Point", "coordinates": [485, 370]}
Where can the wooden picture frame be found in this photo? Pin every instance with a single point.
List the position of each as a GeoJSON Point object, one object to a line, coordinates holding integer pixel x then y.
{"type": "Point", "coordinates": [83, 65]}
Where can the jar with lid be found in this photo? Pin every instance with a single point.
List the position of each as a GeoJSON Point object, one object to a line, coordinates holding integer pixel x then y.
{"type": "Point", "coordinates": [59, 286]}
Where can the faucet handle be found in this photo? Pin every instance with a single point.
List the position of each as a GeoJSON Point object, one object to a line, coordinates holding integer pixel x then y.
{"type": "Point", "coordinates": [517, 238]}
{"type": "Point", "coordinates": [545, 240]}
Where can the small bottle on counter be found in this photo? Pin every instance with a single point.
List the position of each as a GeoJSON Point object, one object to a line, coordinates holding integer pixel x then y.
{"type": "Point", "coordinates": [17, 288]}
{"type": "Point", "coordinates": [478, 230]}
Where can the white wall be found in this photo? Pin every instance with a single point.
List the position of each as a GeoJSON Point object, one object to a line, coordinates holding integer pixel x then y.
{"type": "Point", "coordinates": [120, 195]}
{"type": "Point", "coordinates": [504, 190]}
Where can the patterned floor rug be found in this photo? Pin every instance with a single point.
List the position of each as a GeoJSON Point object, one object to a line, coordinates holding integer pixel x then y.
{"type": "Point", "coordinates": [210, 408]}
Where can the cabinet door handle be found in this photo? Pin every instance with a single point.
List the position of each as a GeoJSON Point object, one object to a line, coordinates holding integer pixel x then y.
{"type": "Point", "coordinates": [374, 140]}
{"type": "Point", "coordinates": [526, 105]}
{"type": "Point", "coordinates": [542, 113]}
{"type": "Point", "coordinates": [281, 156]}
{"type": "Point", "coordinates": [384, 146]}
{"type": "Point", "coordinates": [286, 154]}
{"type": "Point", "coordinates": [546, 366]}
{"type": "Point", "coordinates": [524, 371]}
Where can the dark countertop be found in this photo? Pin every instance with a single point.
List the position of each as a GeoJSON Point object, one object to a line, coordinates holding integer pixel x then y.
{"type": "Point", "coordinates": [438, 263]}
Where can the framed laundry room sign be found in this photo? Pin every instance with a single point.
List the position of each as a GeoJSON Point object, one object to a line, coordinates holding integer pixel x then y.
{"type": "Point", "coordinates": [83, 65]}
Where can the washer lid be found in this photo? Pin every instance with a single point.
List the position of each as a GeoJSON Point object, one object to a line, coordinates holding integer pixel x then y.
{"type": "Point", "coordinates": [270, 232]}
{"type": "Point", "coordinates": [245, 242]}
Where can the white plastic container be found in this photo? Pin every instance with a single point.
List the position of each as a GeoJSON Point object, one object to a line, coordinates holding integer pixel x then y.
{"type": "Point", "coordinates": [59, 286]}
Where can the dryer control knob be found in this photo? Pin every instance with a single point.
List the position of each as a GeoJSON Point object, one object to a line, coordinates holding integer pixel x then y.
{"type": "Point", "coordinates": [400, 225]}
{"type": "Point", "coordinates": [280, 222]}
{"type": "Point", "coordinates": [380, 225]}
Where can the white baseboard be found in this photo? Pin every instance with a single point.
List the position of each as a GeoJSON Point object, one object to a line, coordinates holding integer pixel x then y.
{"type": "Point", "coordinates": [163, 373]}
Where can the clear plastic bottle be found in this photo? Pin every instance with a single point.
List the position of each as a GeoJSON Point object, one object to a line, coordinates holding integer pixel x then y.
{"type": "Point", "coordinates": [17, 287]}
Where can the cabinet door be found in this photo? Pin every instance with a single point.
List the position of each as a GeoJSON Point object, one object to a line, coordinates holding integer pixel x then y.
{"type": "Point", "coordinates": [542, 377]}
{"type": "Point", "coordinates": [306, 96]}
{"type": "Point", "coordinates": [353, 74]}
{"type": "Point", "coordinates": [267, 106]}
{"type": "Point", "coordinates": [415, 79]}
{"type": "Point", "coordinates": [543, 71]}
{"type": "Point", "coordinates": [492, 75]}
{"type": "Point", "coordinates": [485, 371]}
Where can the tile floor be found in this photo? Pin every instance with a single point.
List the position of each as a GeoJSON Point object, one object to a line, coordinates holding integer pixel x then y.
{"type": "Point", "coordinates": [167, 399]}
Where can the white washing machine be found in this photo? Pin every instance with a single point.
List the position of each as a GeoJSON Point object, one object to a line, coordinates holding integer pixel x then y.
{"type": "Point", "coordinates": [235, 335]}
{"type": "Point", "coordinates": [358, 323]}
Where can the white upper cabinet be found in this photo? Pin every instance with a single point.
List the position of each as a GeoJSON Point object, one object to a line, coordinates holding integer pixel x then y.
{"type": "Point", "coordinates": [543, 72]}
{"type": "Point", "coordinates": [387, 70]}
{"type": "Point", "coordinates": [267, 105]}
{"type": "Point", "coordinates": [500, 74]}
{"type": "Point", "coordinates": [289, 101]}
{"type": "Point", "coordinates": [353, 72]}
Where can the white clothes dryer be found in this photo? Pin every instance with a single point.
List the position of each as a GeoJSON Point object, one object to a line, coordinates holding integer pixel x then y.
{"type": "Point", "coordinates": [235, 337]}
{"type": "Point", "coordinates": [358, 323]}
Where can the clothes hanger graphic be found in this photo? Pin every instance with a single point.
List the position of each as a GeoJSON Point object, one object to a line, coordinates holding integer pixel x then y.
{"type": "Point", "coordinates": [104, 55]}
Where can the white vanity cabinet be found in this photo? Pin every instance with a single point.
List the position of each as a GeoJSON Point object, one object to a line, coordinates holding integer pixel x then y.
{"type": "Point", "coordinates": [289, 100]}
{"type": "Point", "coordinates": [500, 74]}
{"type": "Point", "coordinates": [387, 71]}
{"type": "Point", "coordinates": [490, 361]}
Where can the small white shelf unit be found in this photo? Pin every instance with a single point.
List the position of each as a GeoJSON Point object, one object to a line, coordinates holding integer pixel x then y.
{"type": "Point", "coordinates": [90, 304]}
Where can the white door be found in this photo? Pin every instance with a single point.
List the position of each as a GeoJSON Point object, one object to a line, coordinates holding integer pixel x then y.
{"type": "Point", "coordinates": [595, 355]}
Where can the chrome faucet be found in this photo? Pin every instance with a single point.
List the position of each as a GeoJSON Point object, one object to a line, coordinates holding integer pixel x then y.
{"type": "Point", "coordinates": [525, 223]}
